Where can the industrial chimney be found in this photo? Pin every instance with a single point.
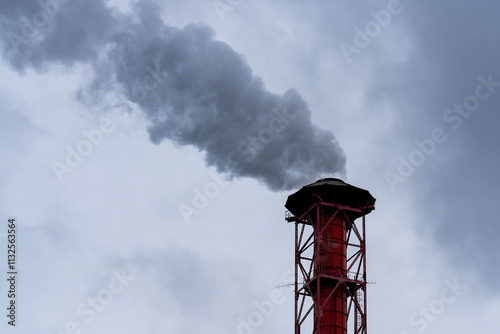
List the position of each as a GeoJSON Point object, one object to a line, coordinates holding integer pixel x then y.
{"type": "Point", "coordinates": [330, 255]}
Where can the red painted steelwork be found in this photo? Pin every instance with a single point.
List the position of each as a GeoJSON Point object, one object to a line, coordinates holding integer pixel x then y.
{"type": "Point", "coordinates": [331, 261]}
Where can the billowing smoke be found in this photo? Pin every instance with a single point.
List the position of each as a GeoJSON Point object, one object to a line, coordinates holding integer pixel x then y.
{"type": "Point", "coordinates": [193, 89]}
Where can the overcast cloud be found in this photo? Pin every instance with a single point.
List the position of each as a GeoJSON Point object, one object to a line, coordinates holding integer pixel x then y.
{"type": "Point", "coordinates": [148, 150]}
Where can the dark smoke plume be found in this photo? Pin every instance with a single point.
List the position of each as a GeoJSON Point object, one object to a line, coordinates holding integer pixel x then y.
{"type": "Point", "coordinates": [193, 89]}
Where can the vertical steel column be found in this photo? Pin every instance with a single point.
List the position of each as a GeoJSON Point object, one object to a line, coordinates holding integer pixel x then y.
{"type": "Point", "coordinates": [297, 261]}
{"type": "Point", "coordinates": [318, 310]}
{"type": "Point", "coordinates": [363, 254]}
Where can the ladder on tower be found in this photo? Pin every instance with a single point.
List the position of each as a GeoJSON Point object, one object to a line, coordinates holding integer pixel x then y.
{"type": "Point", "coordinates": [357, 314]}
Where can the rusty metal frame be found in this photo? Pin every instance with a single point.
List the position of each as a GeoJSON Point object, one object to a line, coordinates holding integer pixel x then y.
{"type": "Point", "coordinates": [353, 280]}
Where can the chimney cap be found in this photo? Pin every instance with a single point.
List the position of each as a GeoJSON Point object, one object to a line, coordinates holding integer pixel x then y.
{"type": "Point", "coordinates": [330, 190]}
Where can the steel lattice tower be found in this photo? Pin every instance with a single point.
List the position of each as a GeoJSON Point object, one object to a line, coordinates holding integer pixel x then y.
{"type": "Point", "coordinates": [330, 255]}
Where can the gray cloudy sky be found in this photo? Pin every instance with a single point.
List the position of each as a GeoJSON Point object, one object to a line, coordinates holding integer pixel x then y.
{"type": "Point", "coordinates": [148, 149]}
